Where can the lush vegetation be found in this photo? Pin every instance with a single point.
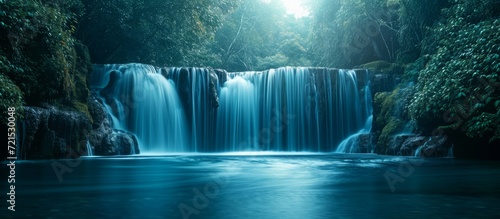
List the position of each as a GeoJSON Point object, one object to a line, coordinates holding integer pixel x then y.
{"type": "Point", "coordinates": [260, 35]}
{"type": "Point", "coordinates": [41, 61]}
{"type": "Point", "coordinates": [152, 31]}
{"type": "Point", "coordinates": [459, 90]}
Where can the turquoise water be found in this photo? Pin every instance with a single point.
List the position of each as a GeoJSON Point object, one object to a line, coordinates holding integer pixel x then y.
{"type": "Point", "coordinates": [257, 185]}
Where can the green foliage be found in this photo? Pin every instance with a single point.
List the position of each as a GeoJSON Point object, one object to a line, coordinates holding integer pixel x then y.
{"type": "Point", "coordinates": [10, 94]}
{"type": "Point", "coordinates": [460, 84]}
{"type": "Point", "coordinates": [247, 35]}
{"type": "Point", "coordinates": [151, 31]}
{"type": "Point", "coordinates": [234, 34]}
{"type": "Point", "coordinates": [36, 38]}
{"type": "Point", "coordinates": [485, 124]}
{"type": "Point", "coordinates": [269, 62]}
{"type": "Point", "coordinates": [415, 19]}
{"type": "Point", "coordinates": [413, 69]}
{"type": "Point", "coordinates": [349, 33]}
{"type": "Point", "coordinates": [259, 35]}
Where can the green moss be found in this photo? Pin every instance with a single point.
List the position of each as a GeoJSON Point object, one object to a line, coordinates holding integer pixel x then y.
{"type": "Point", "coordinates": [386, 103]}
{"type": "Point", "coordinates": [82, 107]}
{"type": "Point", "coordinates": [377, 106]}
{"type": "Point", "coordinates": [81, 74]}
{"type": "Point", "coordinates": [376, 65]}
{"type": "Point", "coordinates": [392, 127]}
{"type": "Point", "coordinates": [387, 120]}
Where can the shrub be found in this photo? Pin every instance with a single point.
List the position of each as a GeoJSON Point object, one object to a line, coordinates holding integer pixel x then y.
{"type": "Point", "coordinates": [459, 86]}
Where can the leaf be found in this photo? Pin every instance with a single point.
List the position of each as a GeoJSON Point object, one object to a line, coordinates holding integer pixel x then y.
{"type": "Point", "coordinates": [497, 103]}
{"type": "Point", "coordinates": [461, 95]}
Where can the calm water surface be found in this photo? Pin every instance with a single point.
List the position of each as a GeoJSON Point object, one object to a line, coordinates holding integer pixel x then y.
{"type": "Point", "coordinates": [257, 186]}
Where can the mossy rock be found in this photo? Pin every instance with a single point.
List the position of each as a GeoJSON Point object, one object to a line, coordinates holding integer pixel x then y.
{"type": "Point", "coordinates": [81, 78]}
{"type": "Point", "coordinates": [384, 105]}
{"type": "Point", "coordinates": [392, 127]}
{"type": "Point", "coordinates": [389, 116]}
{"type": "Point", "coordinates": [82, 72]}
{"type": "Point", "coordinates": [83, 108]}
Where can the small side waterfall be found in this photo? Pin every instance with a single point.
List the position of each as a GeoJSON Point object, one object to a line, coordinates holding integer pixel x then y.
{"type": "Point", "coordinates": [419, 150]}
{"type": "Point", "coordinates": [361, 141]}
{"type": "Point", "coordinates": [450, 152]}
{"type": "Point", "coordinates": [89, 149]}
{"type": "Point", "coordinates": [207, 110]}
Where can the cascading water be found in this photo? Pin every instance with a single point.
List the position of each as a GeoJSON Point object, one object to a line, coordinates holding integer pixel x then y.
{"type": "Point", "coordinates": [89, 149]}
{"type": "Point", "coordinates": [237, 119]}
{"type": "Point", "coordinates": [145, 103]}
{"type": "Point", "coordinates": [206, 110]}
{"type": "Point", "coordinates": [193, 87]}
{"type": "Point", "coordinates": [361, 142]}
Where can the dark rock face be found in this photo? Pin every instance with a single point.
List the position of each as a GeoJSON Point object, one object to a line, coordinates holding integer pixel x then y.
{"type": "Point", "coordinates": [185, 79]}
{"type": "Point", "coordinates": [96, 110]}
{"type": "Point", "coordinates": [382, 83]}
{"type": "Point", "coordinates": [363, 144]}
{"type": "Point", "coordinates": [409, 145]}
{"type": "Point", "coordinates": [117, 143]}
{"type": "Point", "coordinates": [214, 98]}
{"type": "Point", "coordinates": [435, 147]}
{"type": "Point", "coordinates": [221, 74]}
{"type": "Point", "coordinates": [385, 75]}
{"type": "Point", "coordinates": [52, 133]}
{"type": "Point", "coordinates": [105, 139]}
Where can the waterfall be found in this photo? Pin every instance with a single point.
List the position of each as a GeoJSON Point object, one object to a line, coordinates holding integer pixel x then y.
{"type": "Point", "coordinates": [419, 149]}
{"type": "Point", "coordinates": [89, 149]}
{"type": "Point", "coordinates": [144, 102]}
{"type": "Point", "coordinates": [361, 141]}
{"type": "Point", "coordinates": [206, 110]}
{"type": "Point", "coordinates": [193, 88]}
{"type": "Point", "coordinates": [237, 117]}
{"type": "Point", "coordinates": [450, 152]}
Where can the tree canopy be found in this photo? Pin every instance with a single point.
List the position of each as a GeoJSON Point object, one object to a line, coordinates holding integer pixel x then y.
{"type": "Point", "coordinates": [151, 31]}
